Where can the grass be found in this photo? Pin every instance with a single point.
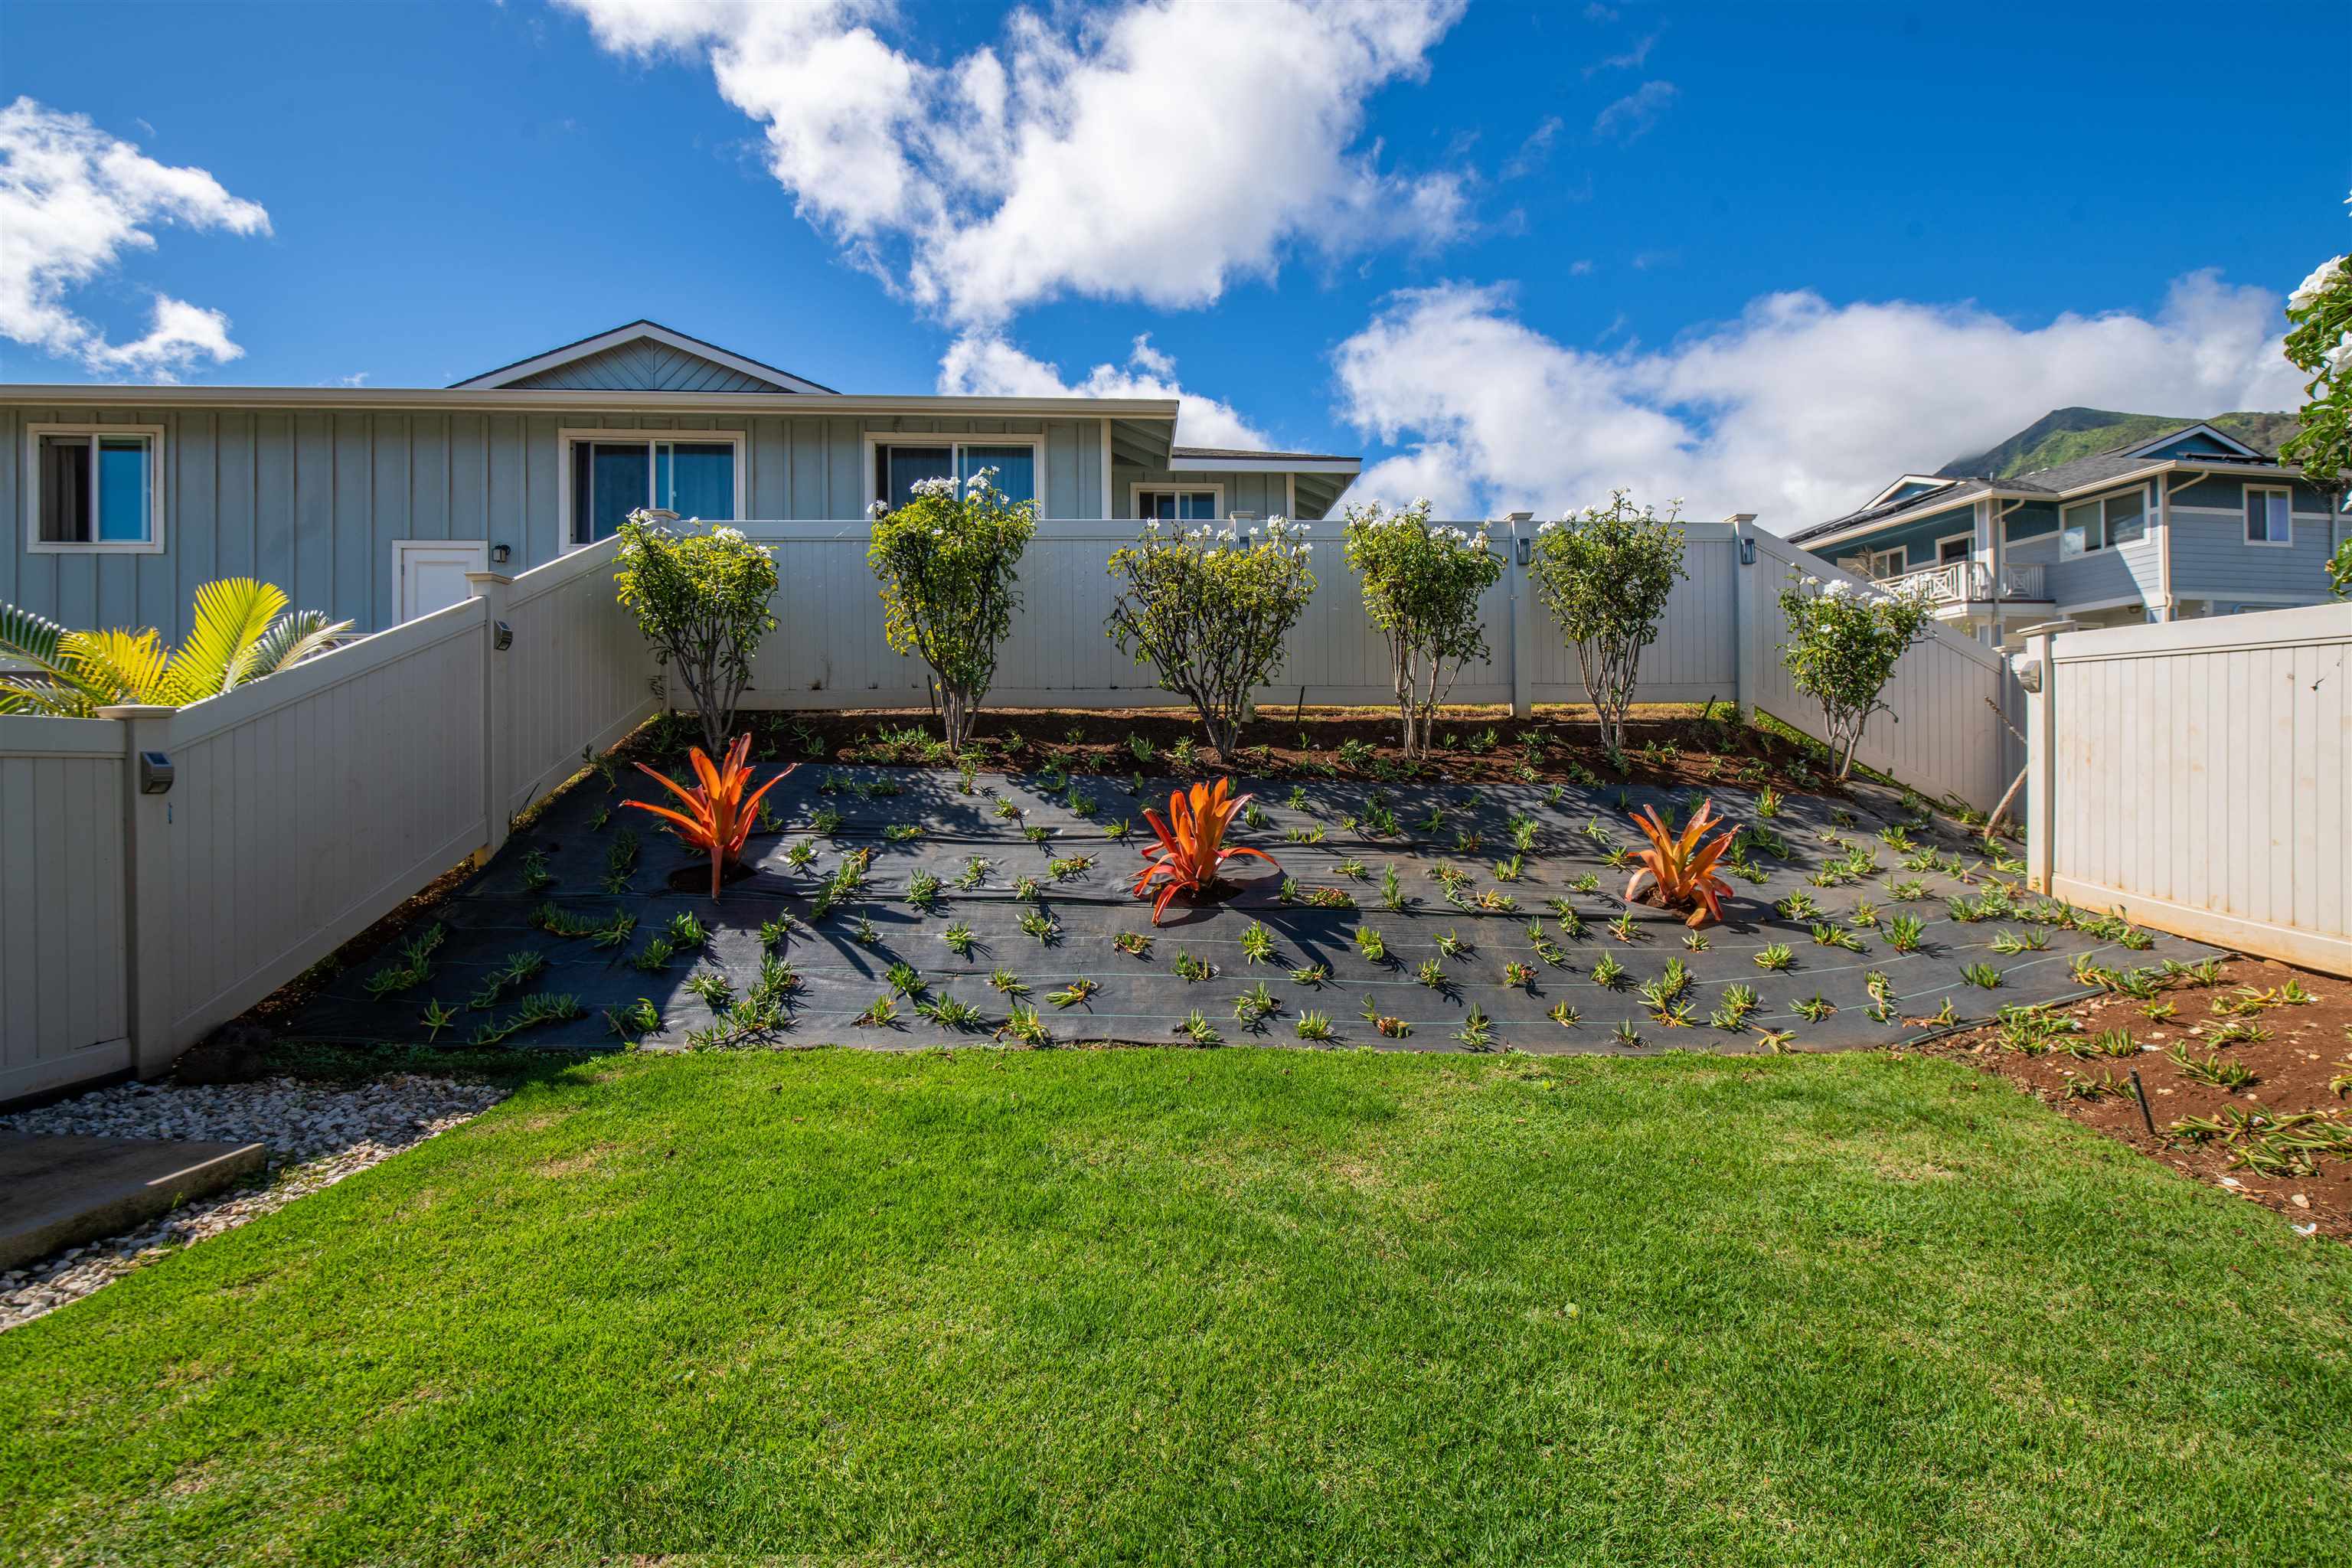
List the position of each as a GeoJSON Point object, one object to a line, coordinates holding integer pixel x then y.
{"type": "Point", "coordinates": [1251, 1305]}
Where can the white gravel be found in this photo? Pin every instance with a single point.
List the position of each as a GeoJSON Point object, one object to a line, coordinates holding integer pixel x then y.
{"type": "Point", "coordinates": [315, 1134]}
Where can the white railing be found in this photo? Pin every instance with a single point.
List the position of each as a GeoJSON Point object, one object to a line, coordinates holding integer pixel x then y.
{"type": "Point", "coordinates": [1971, 582]}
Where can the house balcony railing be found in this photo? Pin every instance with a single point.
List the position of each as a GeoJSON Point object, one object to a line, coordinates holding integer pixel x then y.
{"type": "Point", "coordinates": [1971, 582]}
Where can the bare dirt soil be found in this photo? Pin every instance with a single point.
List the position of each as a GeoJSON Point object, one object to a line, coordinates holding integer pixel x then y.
{"type": "Point", "coordinates": [2304, 1056]}
{"type": "Point", "coordinates": [1689, 744]}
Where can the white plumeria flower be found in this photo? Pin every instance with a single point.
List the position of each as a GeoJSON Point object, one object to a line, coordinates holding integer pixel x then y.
{"type": "Point", "coordinates": [2322, 277]}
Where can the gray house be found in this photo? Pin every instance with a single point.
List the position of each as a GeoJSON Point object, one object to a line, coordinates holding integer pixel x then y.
{"type": "Point", "coordinates": [372, 504]}
{"type": "Point", "coordinates": [2188, 522]}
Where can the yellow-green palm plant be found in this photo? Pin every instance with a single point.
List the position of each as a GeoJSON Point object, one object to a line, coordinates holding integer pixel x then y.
{"type": "Point", "coordinates": [241, 633]}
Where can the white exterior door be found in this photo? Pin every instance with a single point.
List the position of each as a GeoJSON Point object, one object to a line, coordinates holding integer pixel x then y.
{"type": "Point", "coordinates": [431, 573]}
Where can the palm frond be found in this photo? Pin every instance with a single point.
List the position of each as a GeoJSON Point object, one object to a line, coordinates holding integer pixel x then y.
{"type": "Point", "coordinates": [30, 639]}
{"type": "Point", "coordinates": [44, 698]}
{"type": "Point", "coordinates": [55, 686]}
{"type": "Point", "coordinates": [117, 666]}
{"type": "Point", "coordinates": [292, 637]}
{"type": "Point", "coordinates": [232, 615]}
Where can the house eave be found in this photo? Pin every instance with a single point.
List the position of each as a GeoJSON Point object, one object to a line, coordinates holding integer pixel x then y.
{"type": "Point", "coordinates": [554, 401]}
{"type": "Point", "coordinates": [1181, 463]}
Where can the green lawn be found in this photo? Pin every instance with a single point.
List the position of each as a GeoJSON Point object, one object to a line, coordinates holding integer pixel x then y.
{"type": "Point", "coordinates": [1246, 1307]}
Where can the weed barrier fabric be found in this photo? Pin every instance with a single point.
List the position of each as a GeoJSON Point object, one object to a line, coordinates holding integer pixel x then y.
{"type": "Point", "coordinates": [916, 822]}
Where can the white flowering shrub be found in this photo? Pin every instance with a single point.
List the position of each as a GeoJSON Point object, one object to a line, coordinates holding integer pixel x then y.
{"type": "Point", "coordinates": [1845, 640]}
{"type": "Point", "coordinates": [1605, 573]}
{"type": "Point", "coordinates": [1422, 584]}
{"type": "Point", "coordinates": [1209, 608]}
{"type": "Point", "coordinates": [949, 564]}
{"type": "Point", "coordinates": [701, 597]}
{"type": "Point", "coordinates": [2319, 343]}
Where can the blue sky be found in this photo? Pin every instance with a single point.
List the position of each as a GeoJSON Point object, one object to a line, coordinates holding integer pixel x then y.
{"type": "Point", "coordinates": [1752, 255]}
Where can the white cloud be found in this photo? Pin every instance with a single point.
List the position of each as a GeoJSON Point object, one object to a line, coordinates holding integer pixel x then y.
{"type": "Point", "coordinates": [1632, 59]}
{"type": "Point", "coordinates": [1797, 411]}
{"type": "Point", "coordinates": [1631, 116]}
{"type": "Point", "coordinates": [982, 365]}
{"type": "Point", "coordinates": [1157, 151]}
{"type": "Point", "coordinates": [72, 200]}
{"type": "Point", "coordinates": [1534, 151]}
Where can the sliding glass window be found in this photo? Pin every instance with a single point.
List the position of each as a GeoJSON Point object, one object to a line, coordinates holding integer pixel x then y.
{"type": "Point", "coordinates": [611, 478]}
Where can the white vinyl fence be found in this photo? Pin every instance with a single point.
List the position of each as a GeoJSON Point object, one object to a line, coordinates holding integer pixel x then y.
{"type": "Point", "coordinates": [1720, 640]}
{"type": "Point", "coordinates": [135, 915]}
{"type": "Point", "coordinates": [63, 1017]}
{"type": "Point", "coordinates": [1945, 736]}
{"type": "Point", "coordinates": [2197, 776]}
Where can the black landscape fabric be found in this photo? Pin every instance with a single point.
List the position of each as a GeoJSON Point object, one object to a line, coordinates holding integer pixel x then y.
{"type": "Point", "coordinates": [1336, 847]}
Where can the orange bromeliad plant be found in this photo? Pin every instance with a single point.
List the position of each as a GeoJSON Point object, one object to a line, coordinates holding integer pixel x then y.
{"type": "Point", "coordinates": [718, 814]}
{"type": "Point", "coordinates": [1683, 868]}
{"type": "Point", "coordinates": [1191, 847]}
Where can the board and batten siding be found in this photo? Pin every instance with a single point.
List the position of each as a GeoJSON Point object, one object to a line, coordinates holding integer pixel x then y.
{"type": "Point", "coordinates": [2198, 775]}
{"type": "Point", "coordinates": [313, 501]}
{"type": "Point", "coordinates": [2211, 558]}
{"type": "Point", "coordinates": [63, 1004]}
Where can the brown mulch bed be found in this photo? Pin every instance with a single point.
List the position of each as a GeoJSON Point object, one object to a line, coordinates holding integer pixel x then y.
{"type": "Point", "coordinates": [2309, 1045]}
{"type": "Point", "coordinates": [1691, 745]}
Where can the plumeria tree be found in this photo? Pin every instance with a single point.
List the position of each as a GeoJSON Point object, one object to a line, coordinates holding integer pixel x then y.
{"type": "Point", "coordinates": [1845, 640]}
{"type": "Point", "coordinates": [1422, 583]}
{"type": "Point", "coordinates": [950, 562]}
{"type": "Point", "coordinates": [2319, 342]}
{"type": "Point", "coordinates": [701, 597]}
{"type": "Point", "coordinates": [1605, 573]}
{"type": "Point", "coordinates": [1209, 608]}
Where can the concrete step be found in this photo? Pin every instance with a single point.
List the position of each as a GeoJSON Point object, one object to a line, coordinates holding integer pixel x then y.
{"type": "Point", "coordinates": [55, 1192]}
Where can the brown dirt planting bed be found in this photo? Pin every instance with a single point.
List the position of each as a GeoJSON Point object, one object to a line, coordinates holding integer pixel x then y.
{"type": "Point", "coordinates": [2301, 1063]}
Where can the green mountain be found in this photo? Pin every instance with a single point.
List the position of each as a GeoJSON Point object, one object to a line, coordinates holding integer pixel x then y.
{"type": "Point", "coordinates": [2064, 435]}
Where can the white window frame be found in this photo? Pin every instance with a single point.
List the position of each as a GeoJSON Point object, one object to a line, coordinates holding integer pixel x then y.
{"type": "Point", "coordinates": [1968, 539]}
{"type": "Point", "coordinates": [877, 440]}
{"type": "Point", "coordinates": [2246, 517]}
{"type": "Point", "coordinates": [1899, 554]}
{"type": "Point", "coordinates": [1136, 492]}
{"type": "Point", "coordinates": [565, 439]}
{"type": "Point", "coordinates": [2100, 503]}
{"type": "Point", "coordinates": [151, 545]}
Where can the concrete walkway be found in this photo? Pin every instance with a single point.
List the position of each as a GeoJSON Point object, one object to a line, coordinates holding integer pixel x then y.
{"type": "Point", "coordinates": [58, 1191]}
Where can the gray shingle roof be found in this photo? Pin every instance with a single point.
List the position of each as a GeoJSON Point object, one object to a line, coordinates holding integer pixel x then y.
{"type": "Point", "coordinates": [2060, 477]}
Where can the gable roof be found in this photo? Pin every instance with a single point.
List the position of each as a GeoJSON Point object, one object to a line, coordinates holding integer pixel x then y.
{"type": "Point", "coordinates": [642, 356]}
{"type": "Point", "coordinates": [1914, 484]}
{"type": "Point", "coordinates": [2142, 448]}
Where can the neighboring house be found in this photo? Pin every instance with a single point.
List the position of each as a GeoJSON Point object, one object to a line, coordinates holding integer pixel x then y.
{"type": "Point", "coordinates": [2191, 522]}
{"type": "Point", "coordinates": [372, 504]}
